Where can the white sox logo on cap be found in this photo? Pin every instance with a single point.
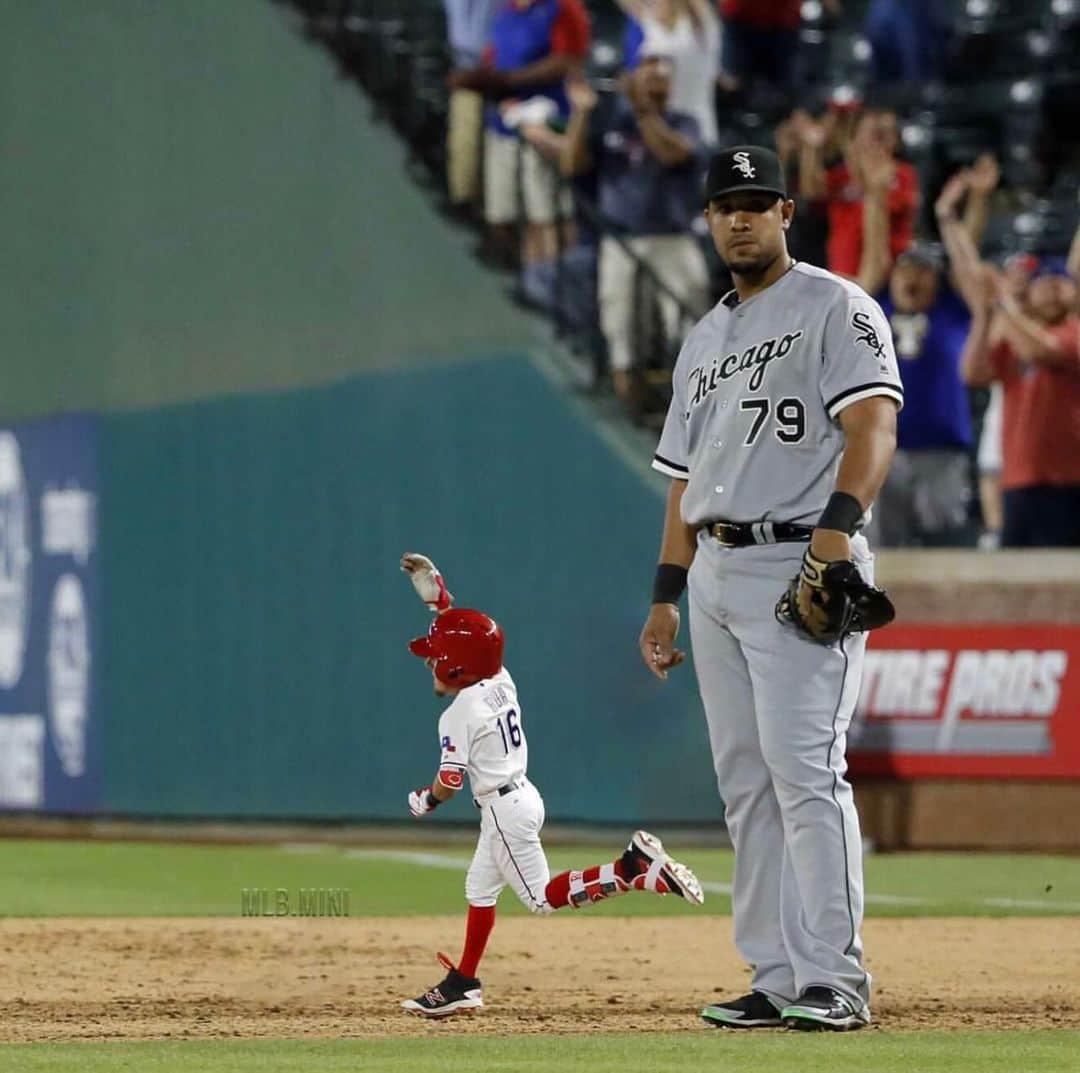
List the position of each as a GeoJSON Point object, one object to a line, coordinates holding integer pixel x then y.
{"type": "Point", "coordinates": [742, 164]}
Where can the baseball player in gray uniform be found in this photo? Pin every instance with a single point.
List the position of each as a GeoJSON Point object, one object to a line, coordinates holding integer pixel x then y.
{"type": "Point", "coordinates": [779, 435]}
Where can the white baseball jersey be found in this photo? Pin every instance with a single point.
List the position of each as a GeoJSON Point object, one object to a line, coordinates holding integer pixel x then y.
{"type": "Point", "coordinates": [482, 735]}
{"type": "Point", "coordinates": [757, 390]}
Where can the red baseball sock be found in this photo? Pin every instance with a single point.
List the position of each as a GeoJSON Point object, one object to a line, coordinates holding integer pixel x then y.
{"type": "Point", "coordinates": [478, 927]}
{"type": "Point", "coordinates": [589, 886]}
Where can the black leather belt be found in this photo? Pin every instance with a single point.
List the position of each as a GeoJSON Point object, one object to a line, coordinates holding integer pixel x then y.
{"type": "Point", "coordinates": [502, 791]}
{"type": "Point", "coordinates": [743, 534]}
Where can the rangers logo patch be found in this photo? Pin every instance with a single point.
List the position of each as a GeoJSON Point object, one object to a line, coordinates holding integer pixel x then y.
{"type": "Point", "coordinates": [447, 745]}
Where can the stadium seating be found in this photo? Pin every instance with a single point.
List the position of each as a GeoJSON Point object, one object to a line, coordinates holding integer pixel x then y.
{"type": "Point", "coordinates": [1011, 87]}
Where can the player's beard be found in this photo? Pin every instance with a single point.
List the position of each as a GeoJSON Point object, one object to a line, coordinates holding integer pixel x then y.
{"type": "Point", "coordinates": [753, 271]}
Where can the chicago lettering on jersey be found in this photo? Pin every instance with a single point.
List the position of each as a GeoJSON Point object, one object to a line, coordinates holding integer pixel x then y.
{"type": "Point", "coordinates": [705, 379]}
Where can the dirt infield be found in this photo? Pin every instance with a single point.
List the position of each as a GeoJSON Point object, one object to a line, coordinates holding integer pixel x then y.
{"type": "Point", "coordinates": [139, 979]}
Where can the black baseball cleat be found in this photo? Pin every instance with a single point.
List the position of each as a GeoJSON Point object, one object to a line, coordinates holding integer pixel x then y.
{"type": "Point", "coordinates": [456, 994]}
{"type": "Point", "coordinates": [751, 1011]}
{"type": "Point", "coordinates": [821, 1009]}
{"type": "Point", "coordinates": [645, 856]}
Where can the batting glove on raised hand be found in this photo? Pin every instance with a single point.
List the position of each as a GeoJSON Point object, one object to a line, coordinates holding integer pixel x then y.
{"type": "Point", "coordinates": [427, 581]}
{"type": "Point", "coordinates": [421, 802]}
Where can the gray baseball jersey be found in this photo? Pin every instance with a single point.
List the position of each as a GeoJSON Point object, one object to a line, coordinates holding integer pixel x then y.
{"type": "Point", "coordinates": [757, 389]}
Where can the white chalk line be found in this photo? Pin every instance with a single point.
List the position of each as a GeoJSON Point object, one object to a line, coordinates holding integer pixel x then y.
{"type": "Point", "coordinates": [459, 864]}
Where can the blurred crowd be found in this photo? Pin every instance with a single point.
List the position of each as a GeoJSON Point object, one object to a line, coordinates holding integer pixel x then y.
{"type": "Point", "coordinates": [594, 197]}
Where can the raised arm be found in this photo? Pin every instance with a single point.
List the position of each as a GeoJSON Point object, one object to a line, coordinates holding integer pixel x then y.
{"type": "Point", "coordinates": [1072, 266]}
{"type": "Point", "coordinates": [982, 179]}
{"type": "Point", "coordinates": [876, 259]}
{"type": "Point", "coordinates": [575, 157]}
{"type": "Point", "coordinates": [428, 582]}
{"type": "Point", "coordinates": [964, 263]}
{"type": "Point", "coordinates": [661, 139]}
{"type": "Point", "coordinates": [1030, 340]}
{"type": "Point", "coordinates": [976, 365]}
{"type": "Point", "coordinates": [704, 13]}
{"type": "Point", "coordinates": [811, 134]}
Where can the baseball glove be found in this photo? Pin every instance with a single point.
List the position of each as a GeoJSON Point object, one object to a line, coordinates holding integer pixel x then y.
{"type": "Point", "coordinates": [827, 601]}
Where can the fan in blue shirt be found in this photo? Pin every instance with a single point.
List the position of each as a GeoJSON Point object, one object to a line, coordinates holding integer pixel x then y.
{"type": "Point", "coordinates": [926, 497]}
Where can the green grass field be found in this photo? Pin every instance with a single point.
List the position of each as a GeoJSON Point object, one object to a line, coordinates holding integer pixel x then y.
{"type": "Point", "coordinates": [40, 878]}
{"type": "Point", "coordinates": [56, 878]}
{"type": "Point", "coordinates": [982, 1052]}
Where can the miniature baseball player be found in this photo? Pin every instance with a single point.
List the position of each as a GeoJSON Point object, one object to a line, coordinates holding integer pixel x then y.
{"type": "Point", "coordinates": [482, 736]}
{"type": "Point", "coordinates": [780, 433]}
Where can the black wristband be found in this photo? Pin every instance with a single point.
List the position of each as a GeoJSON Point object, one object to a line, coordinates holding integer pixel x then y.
{"type": "Point", "coordinates": [432, 800]}
{"type": "Point", "coordinates": [843, 512]}
{"type": "Point", "coordinates": [669, 583]}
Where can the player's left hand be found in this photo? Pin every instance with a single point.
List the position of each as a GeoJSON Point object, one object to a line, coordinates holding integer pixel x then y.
{"type": "Point", "coordinates": [829, 599]}
{"type": "Point", "coordinates": [427, 581]}
{"type": "Point", "coordinates": [420, 802]}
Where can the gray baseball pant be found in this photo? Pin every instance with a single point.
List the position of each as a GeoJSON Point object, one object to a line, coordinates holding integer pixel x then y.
{"type": "Point", "coordinates": [778, 707]}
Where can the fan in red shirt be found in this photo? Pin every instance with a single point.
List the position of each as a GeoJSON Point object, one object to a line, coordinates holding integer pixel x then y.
{"type": "Point", "coordinates": [840, 186]}
{"type": "Point", "coordinates": [875, 130]}
{"type": "Point", "coordinates": [1038, 365]}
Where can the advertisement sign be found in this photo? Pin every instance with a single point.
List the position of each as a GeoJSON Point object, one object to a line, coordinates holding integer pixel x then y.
{"type": "Point", "coordinates": [49, 616]}
{"type": "Point", "coordinates": [969, 700]}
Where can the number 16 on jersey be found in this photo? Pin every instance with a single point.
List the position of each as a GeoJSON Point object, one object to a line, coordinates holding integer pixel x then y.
{"type": "Point", "coordinates": [511, 731]}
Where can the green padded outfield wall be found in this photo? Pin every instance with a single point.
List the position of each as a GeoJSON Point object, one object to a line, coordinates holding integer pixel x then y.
{"type": "Point", "coordinates": [258, 620]}
{"type": "Point", "coordinates": [303, 374]}
{"type": "Point", "coordinates": [193, 202]}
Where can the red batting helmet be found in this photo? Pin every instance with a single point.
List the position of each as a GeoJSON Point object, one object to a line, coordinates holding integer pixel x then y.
{"type": "Point", "coordinates": [466, 647]}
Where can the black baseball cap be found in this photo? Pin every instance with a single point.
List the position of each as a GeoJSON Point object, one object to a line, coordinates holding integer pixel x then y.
{"type": "Point", "coordinates": [744, 169]}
